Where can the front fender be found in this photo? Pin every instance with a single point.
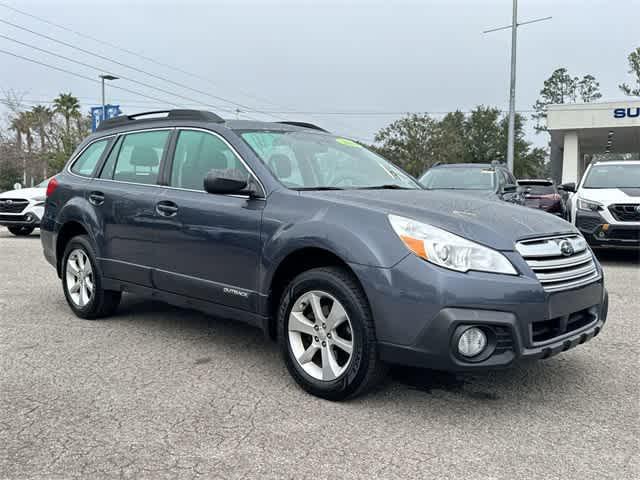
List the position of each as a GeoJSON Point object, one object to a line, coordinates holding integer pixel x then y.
{"type": "Point", "coordinates": [287, 229]}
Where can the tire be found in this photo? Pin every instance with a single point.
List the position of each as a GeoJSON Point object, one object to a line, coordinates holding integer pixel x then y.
{"type": "Point", "coordinates": [86, 302]}
{"type": "Point", "coordinates": [21, 231]}
{"type": "Point", "coordinates": [300, 339]}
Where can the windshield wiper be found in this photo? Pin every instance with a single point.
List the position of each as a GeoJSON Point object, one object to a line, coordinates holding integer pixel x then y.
{"type": "Point", "coordinates": [390, 186]}
{"type": "Point", "coordinates": [318, 188]}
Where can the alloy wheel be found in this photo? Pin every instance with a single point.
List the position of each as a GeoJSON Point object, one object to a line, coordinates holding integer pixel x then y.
{"type": "Point", "coordinates": [320, 335]}
{"type": "Point", "coordinates": [79, 278]}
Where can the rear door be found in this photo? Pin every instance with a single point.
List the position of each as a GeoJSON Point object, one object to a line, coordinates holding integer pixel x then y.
{"type": "Point", "coordinates": [124, 196]}
{"type": "Point", "coordinates": [209, 245]}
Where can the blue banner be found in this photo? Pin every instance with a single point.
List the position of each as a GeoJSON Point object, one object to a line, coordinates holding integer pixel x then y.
{"type": "Point", "coordinates": [97, 116]}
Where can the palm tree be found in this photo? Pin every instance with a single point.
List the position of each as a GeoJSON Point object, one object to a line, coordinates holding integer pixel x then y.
{"type": "Point", "coordinates": [22, 124]}
{"type": "Point", "coordinates": [69, 107]}
{"type": "Point", "coordinates": [18, 127]}
{"type": "Point", "coordinates": [42, 117]}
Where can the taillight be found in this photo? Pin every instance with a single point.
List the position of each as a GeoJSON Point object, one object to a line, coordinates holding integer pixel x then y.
{"type": "Point", "coordinates": [51, 186]}
{"type": "Point", "coordinates": [552, 196]}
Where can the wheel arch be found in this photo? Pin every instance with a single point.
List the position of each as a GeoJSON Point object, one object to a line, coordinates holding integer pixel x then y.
{"type": "Point", "coordinates": [292, 265]}
{"type": "Point", "coordinates": [69, 230]}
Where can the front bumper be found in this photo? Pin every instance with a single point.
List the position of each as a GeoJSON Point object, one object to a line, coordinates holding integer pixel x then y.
{"type": "Point", "coordinates": [599, 232]}
{"type": "Point", "coordinates": [419, 308]}
{"type": "Point", "coordinates": [25, 219]}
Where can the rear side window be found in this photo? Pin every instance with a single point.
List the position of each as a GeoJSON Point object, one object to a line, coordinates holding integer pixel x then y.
{"type": "Point", "coordinates": [196, 154]}
{"type": "Point", "coordinates": [136, 157]}
{"type": "Point", "coordinates": [86, 163]}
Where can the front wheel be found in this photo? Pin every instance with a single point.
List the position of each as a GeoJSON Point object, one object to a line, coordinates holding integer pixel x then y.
{"type": "Point", "coordinates": [82, 281]}
{"type": "Point", "coordinates": [21, 231]}
{"type": "Point", "coordinates": [327, 334]}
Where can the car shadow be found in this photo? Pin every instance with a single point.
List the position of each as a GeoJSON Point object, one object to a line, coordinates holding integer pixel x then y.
{"type": "Point", "coordinates": [228, 337]}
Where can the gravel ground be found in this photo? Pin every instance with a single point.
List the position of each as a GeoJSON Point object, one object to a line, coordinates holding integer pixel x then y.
{"type": "Point", "coordinates": [156, 392]}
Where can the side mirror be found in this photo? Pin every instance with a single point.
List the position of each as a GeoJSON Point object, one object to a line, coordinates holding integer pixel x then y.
{"type": "Point", "coordinates": [225, 181]}
{"type": "Point", "coordinates": [509, 188]}
{"type": "Point", "coordinates": [568, 187]}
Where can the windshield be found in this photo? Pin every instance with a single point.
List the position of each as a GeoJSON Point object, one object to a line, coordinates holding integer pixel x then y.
{"type": "Point", "coordinates": [305, 160]}
{"type": "Point", "coordinates": [459, 178]}
{"type": "Point", "coordinates": [613, 176]}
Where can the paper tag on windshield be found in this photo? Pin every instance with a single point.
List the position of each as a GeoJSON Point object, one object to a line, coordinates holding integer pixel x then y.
{"type": "Point", "coordinates": [348, 143]}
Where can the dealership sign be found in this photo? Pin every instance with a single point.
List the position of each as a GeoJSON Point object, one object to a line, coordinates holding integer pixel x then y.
{"type": "Point", "coordinates": [630, 112]}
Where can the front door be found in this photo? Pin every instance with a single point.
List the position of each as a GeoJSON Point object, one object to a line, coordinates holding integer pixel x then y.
{"type": "Point", "coordinates": [209, 244]}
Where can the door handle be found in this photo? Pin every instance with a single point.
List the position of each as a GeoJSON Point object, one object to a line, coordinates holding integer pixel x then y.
{"type": "Point", "coordinates": [166, 208]}
{"type": "Point", "coordinates": [96, 198]}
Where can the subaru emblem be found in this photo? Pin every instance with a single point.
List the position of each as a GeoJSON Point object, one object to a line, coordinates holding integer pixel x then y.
{"type": "Point", "coordinates": [566, 248]}
{"type": "Point", "coordinates": [638, 209]}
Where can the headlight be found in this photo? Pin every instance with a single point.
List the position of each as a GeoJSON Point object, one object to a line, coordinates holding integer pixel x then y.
{"type": "Point", "coordinates": [589, 205]}
{"type": "Point", "coordinates": [448, 250]}
{"type": "Point", "coordinates": [38, 199]}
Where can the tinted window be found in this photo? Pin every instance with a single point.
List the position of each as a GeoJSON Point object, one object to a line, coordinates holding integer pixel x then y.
{"type": "Point", "coordinates": [86, 163]}
{"type": "Point", "coordinates": [196, 154]}
{"type": "Point", "coordinates": [460, 178]}
{"type": "Point", "coordinates": [537, 188]}
{"type": "Point", "coordinates": [110, 164]}
{"type": "Point", "coordinates": [138, 157]}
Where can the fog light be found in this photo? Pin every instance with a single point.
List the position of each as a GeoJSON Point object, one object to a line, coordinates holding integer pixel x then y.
{"type": "Point", "coordinates": [28, 217]}
{"type": "Point", "coordinates": [472, 342]}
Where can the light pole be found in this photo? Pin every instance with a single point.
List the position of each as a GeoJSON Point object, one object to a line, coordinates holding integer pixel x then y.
{"type": "Point", "coordinates": [103, 78]}
{"type": "Point", "coordinates": [512, 87]}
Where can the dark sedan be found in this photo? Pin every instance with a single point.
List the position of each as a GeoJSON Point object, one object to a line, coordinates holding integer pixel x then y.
{"type": "Point", "coordinates": [543, 195]}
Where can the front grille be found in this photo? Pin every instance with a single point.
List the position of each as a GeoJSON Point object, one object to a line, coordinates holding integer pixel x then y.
{"type": "Point", "coordinates": [12, 205]}
{"type": "Point", "coordinates": [12, 218]}
{"type": "Point", "coordinates": [623, 234]}
{"type": "Point", "coordinates": [625, 212]}
{"type": "Point", "coordinates": [546, 330]}
{"type": "Point", "coordinates": [504, 342]}
{"type": "Point", "coordinates": [588, 223]}
{"type": "Point", "coordinates": [560, 263]}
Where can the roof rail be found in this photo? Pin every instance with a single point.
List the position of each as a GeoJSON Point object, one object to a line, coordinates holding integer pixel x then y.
{"type": "Point", "coordinates": [197, 115]}
{"type": "Point", "coordinates": [304, 125]}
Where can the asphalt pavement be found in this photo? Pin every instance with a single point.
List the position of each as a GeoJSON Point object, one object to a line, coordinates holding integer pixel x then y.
{"type": "Point", "coordinates": [156, 392]}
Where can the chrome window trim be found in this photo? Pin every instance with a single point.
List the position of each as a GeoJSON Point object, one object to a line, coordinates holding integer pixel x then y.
{"type": "Point", "coordinates": [235, 152]}
{"type": "Point", "coordinates": [75, 158]}
{"type": "Point", "coordinates": [211, 132]}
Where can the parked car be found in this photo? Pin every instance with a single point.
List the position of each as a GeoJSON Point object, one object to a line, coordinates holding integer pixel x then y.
{"type": "Point", "coordinates": [544, 195]}
{"type": "Point", "coordinates": [606, 204]}
{"type": "Point", "coordinates": [22, 209]}
{"type": "Point", "coordinates": [324, 245]}
{"type": "Point", "coordinates": [486, 180]}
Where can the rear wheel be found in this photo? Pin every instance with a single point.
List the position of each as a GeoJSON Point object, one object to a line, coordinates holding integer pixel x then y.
{"type": "Point", "coordinates": [21, 231]}
{"type": "Point", "coordinates": [327, 335]}
{"type": "Point", "coordinates": [82, 281]}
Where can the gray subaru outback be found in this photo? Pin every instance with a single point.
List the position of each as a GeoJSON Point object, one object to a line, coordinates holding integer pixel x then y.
{"type": "Point", "coordinates": [331, 250]}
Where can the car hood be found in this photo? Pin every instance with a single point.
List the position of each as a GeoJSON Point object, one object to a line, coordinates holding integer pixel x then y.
{"type": "Point", "coordinates": [27, 193]}
{"type": "Point", "coordinates": [492, 223]}
{"type": "Point", "coordinates": [611, 195]}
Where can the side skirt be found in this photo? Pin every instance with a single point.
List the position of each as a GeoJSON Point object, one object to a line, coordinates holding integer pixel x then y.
{"type": "Point", "coordinates": [210, 308]}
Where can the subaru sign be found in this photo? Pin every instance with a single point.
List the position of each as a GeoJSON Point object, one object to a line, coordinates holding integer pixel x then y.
{"type": "Point", "coordinates": [97, 116]}
{"type": "Point", "coordinates": [626, 112]}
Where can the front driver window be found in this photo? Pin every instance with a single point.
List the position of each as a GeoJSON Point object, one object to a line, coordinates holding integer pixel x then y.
{"type": "Point", "coordinates": [196, 154]}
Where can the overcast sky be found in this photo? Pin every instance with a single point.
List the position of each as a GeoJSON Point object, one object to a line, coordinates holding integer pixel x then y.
{"type": "Point", "coordinates": [324, 56]}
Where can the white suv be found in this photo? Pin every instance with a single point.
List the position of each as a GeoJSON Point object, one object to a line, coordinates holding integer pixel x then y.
{"type": "Point", "coordinates": [22, 209]}
{"type": "Point", "coordinates": [606, 203]}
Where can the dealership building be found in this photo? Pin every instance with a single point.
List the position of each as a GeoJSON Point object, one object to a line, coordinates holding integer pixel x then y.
{"type": "Point", "coordinates": [581, 130]}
